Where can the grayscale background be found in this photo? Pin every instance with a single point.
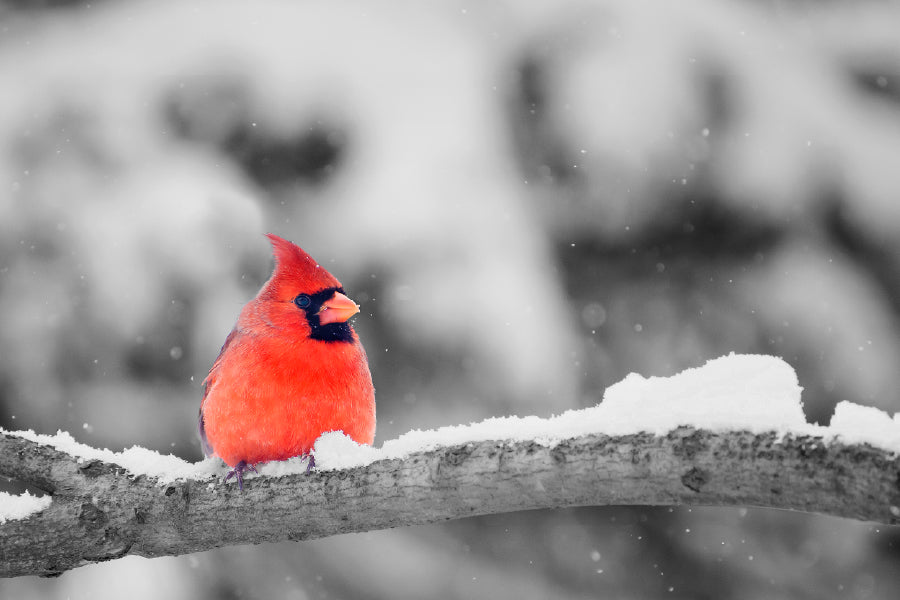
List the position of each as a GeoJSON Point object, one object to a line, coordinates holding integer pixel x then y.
{"type": "Point", "coordinates": [530, 200]}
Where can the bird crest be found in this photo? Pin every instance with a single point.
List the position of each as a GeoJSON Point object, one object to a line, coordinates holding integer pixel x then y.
{"type": "Point", "coordinates": [295, 270]}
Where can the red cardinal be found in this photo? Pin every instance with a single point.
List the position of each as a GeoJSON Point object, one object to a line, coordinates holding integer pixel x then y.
{"type": "Point", "coordinates": [291, 369]}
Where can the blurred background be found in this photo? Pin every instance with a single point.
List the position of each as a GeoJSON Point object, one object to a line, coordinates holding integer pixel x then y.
{"type": "Point", "coordinates": [529, 200]}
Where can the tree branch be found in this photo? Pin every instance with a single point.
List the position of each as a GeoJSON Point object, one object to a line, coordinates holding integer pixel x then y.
{"type": "Point", "coordinates": [102, 512]}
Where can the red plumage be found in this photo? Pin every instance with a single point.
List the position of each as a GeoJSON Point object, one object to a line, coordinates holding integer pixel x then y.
{"type": "Point", "coordinates": [291, 369]}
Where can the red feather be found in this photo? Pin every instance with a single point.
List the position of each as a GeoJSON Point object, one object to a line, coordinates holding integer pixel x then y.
{"type": "Point", "coordinates": [274, 389]}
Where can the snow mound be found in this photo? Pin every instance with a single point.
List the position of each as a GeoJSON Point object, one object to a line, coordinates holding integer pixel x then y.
{"type": "Point", "coordinates": [166, 468]}
{"type": "Point", "coordinates": [14, 507]}
{"type": "Point", "coordinates": [747, 392]}
{"type": "Point", "coordinates": [855, 424]}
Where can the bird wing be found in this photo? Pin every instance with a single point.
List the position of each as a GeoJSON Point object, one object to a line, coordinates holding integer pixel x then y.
{"type": "Point", "coordinates": [207, 384]}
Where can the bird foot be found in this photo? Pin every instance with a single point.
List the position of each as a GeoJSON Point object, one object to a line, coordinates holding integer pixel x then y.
{"type": "Point", "coordinates": [238, 473]}
{"type": "Point", "coordinates": [311, 463]}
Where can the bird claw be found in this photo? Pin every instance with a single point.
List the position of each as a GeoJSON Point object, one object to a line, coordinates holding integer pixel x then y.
{"type": "Point", "coordinates": [242, 467]}
{"type": "Point", "coordinates": [238, 473]}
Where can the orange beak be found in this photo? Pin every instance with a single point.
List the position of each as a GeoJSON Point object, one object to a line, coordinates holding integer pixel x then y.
{"type": "Point", "coordinates": [337, 309]}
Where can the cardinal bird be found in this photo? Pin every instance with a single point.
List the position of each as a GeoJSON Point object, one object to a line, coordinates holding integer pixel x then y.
{"type": "Point", "coordinates": [290, 370]}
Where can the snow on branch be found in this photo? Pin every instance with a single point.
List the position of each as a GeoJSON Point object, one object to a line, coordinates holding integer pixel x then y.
{"type": "Point", "coordinates": [723, 435]}
{"type": "Point", "coordinates": [99, 511]}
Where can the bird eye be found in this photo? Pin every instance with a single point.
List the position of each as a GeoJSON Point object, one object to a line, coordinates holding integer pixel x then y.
{"type": "Point", "coordinates": [302, 301]}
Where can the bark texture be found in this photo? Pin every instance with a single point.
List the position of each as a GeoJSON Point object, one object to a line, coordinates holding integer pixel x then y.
{"type": "Point", "coordinates": [102, 512]}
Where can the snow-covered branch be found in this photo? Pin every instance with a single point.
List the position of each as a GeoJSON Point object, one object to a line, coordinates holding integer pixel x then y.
{"type": "Point", "coordinates": [729, 433]}
{"type": "Point", "coordinates": [100, 511]}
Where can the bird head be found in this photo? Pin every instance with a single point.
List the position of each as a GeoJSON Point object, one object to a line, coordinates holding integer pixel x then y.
{"type": "Point", "coordinates": [302, 297]}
